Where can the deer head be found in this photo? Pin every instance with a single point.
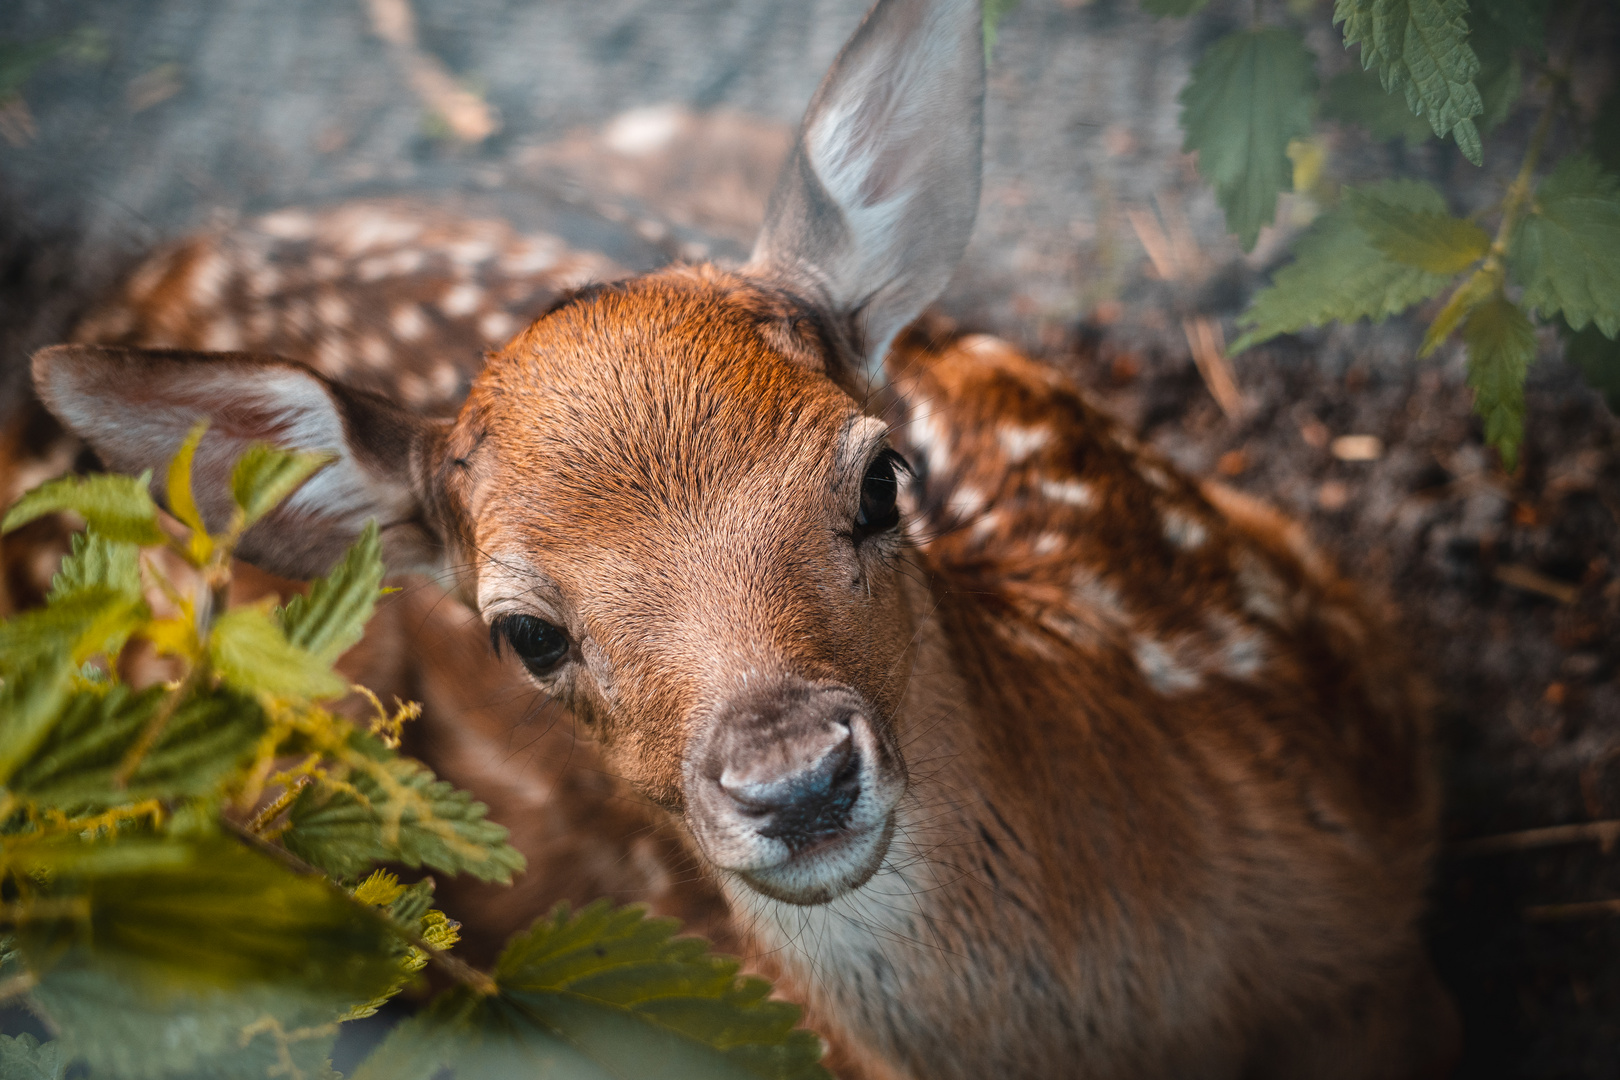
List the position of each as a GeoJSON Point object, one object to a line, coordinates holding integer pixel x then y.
{"type": "Point", "coordinates": [664, 495]}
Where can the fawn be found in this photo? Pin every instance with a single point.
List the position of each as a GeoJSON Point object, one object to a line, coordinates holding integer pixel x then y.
{"type": "Point", "coordinates": [1013, 751]}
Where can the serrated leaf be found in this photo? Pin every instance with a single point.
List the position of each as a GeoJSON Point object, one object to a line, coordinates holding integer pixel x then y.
{"type": "Point", "coordinates": [204, 741]}
{"type": "Point", "coordinates": [120, 508]}
{"type": "Point", "coordinates": [1357, 97]}
{"type": "Point", "coordinates": [31, 702]}
{"type": "Point", "coordinates": [1501, 346]}
{"type": "Point", "coordinates": [605, 993]}
{"type": "Point", "coordinates": [1337, 273]}
{"type": "Point", "coordinates": [265, 475]}
{"type": "Point", "coordinates": [116, 1023]}
{"type": "Point", "coordinates": [411, 817]}
{"type": "Point", "coordinates": [94, 562]}
{"type": "Point", "coordinates": [332, 617]}
{"type": "Point", "coordinates": [197, 913]}
{"type": "Point", "coordinates": [1567, 253]}
{"type": "Point", "coordinates": [1421, 47]}
{"type": "Point", "coordinates": [26, 1058]}
{"type": "Point", "coordinates": [1598, 358]}
{"type": "Point", "coordinates": [87, 623]}
{"type": "Point", "coordinates": [250, 652]}
{"type": "Point", "coordinates": [1172, 7]}
{"type": "Point", "coordinates": [1248, 98]}
{"type": "Point", "coordinates": [1436, 242]}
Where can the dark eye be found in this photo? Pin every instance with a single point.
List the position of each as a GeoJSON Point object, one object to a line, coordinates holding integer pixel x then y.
{"type": "Point", "coordinates": [539, 644]}
{"type": "Point", "coordinates": [878, 491]}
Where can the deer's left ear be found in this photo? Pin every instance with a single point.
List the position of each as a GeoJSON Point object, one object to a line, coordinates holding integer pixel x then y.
{"type": "Point", "coordinates": [135, 407]}
{"type": "Point", "coordinates": [876, 203]}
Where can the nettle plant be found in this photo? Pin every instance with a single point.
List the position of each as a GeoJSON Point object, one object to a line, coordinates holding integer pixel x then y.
{"type": "Point", "coordinates": [1548, 250]}
{"type": "Point", "coordinates": [189, 881]}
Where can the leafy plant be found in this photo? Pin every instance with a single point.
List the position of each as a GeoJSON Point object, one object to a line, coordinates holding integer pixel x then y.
{"type": "Point", "coordinates": [1548, 249]}
{"type": "Point", "coordinates": [188, 868]}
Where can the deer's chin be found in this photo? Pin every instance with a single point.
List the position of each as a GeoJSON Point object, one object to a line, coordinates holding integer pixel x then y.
{"type": "Point", "coordinates": [833, 867]}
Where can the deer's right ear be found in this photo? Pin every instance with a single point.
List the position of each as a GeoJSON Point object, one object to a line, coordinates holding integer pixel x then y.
{"type": "Point", "coordinates": [135, 407]}
{"type": "Point", "coordinates": [876, 203]}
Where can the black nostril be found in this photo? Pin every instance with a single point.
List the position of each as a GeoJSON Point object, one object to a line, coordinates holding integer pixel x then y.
{"type": "Point", "coordinates": [801, 806]}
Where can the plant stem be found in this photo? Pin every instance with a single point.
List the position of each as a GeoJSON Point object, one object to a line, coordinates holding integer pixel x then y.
{"type": "Point", "coordinates": [479, 982]}
{"type": "Point", "coordinates": [154, 727]}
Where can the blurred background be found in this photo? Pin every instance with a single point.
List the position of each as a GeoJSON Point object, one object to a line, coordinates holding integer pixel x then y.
{"type": "Point", "coordinates": [629, 134]}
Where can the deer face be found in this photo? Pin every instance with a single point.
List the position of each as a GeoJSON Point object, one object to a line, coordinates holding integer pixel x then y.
{"type": "Point", "coordinates": [675, 516]}
{"type": "Point", "coordinates": [685, 529]}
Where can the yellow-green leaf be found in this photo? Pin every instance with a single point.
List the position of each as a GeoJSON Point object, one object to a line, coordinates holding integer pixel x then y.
{"type": "Point", "coordinates": [332, 617]}
{"type": "Point", "coordinates": [1248, 98]}
{"type": "Point", "coordinates": [120, 508]}
{"type": "Point", "coordinates": [1477, 288]}
{"type": "Point", "coordinates": [1436, 242]}
{"type": "Point", "coordinates": [265, 475]}
{"type": "Point", "coordinates": [87, 623]}
{"type": "Point", "coordinates": [1501, 346]}
{"type": "Point", "coordinates": [31, 703]}
{"type": "Point", "coordinates": [182, 504]}
{"type": "Point", "coordinates": [94, 562]}
{"type": "Point", "coordinates": [251, 653]}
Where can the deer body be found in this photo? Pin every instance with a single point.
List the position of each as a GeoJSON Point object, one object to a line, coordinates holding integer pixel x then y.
{"type": "Point", "coordinates": [1014, 751]}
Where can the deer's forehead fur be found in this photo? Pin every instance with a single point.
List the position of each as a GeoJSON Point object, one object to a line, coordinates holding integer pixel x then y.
{"type": "Point", "coordinates": [665, 468]}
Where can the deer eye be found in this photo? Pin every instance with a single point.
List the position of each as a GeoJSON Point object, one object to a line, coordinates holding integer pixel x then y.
{"type": "Point", "coordinates": [879, 489]}
{"type": "Point", "coordinates": [539, 644]}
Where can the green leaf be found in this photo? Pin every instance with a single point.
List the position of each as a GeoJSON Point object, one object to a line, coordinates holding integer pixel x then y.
{"type": "Point", "coordinates": [120, 508]}
{"type": "Point", "coordinates": [251, 653]}
{"type": "Point", "coordinates": [1436, 242]}
{"type": "Point", "coordinates": [204, 741]}
{"type": "Point", "coordinates": [1172, 7]}
{"type": "Point", "coordinates": [265, 475]}
{"type": "Point", "coordinates": [1337, 273]}
{"type": "Point", "coordinates": [26, 1058]}
{"type": "Point", "coordinates": [1421, 48]}
{"type": "Point", "coordinates": [1357, 97]}
{"type": "Point", "coordinates": [31, 702]}
{"type": "Point", "coordinates": [1567, 253]}
{"type": "Point", "coordinates": [332, 617]}
{"type": "Point", "coordinates": [1249, 97]}
{"type": "Point", "coordinates": [407, 816]}
{"type": "Point", "coordinates": [1501, 346]}
{"type": "Point", "coordinates": [123, 1027]}
{"type": "Point", "coordinates": [198, 913]}
{"type": "Point", "coordinates": [94, 562]}
{"type": "Point", "coordinates": [1598, 358]}
{"type": "Point", "coordinates": [605, 993]}
{"type": "Point", "coordinates": [84, 624]}
{"type": "Point", "coordinates": [1475, 290]}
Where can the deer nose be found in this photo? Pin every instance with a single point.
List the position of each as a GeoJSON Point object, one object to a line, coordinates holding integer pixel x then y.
{"type": "Point", "coordinates": [791, 770]}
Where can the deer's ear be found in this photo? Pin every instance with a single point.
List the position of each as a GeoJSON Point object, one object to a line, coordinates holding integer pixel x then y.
{"type": "Point", "coordinates": [135, 407]}
{"type": "Point", "coordinates": [877, 201]}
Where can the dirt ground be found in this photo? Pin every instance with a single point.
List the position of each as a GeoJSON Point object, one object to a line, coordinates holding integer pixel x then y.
{"type": "Point", "coordinates": [1097, 250]}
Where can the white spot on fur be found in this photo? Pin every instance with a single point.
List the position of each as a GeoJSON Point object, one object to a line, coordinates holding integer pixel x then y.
{"type": "Point", "coordinates": [985, 527]}
{"type": "Point", "coordinates": [375, 352]}
{"type": "Point", "coordinates": [1020, 442]}
{"type": "Point", "coordinates": [929, 439]}
{"type": "Point", "coordinates": [446, 380]}
{"type": "Point", "coordinates": [643, 131]}
{"type": "Point", "coordinates": [461, 300]}
{"type": "Point", "coordinates": [533, 255]}
{"type": "Point", "coordinates": [222, 335]}
{"type": "Point", "coordinates": [1074, 492]}
{"type": "Point", "coordinates": [408, 322]}
{"type": "Point", "coordinates": [1240, 650]}
{"type": "Point", "coordinates": [331, 358]}
{"type": "Point", "coordinates": [1153, 475]}
{"type": "Point", "coordinates": [366, 229]}
{"type": "Point", "coordinates": [293, 225]}
{"type": "Point", "coordinates": [1048, 542]}
{"type": "Point", "coordinates": [415, 389]}
{"type": "Point", "coordinates": [264, 281]}
{"type": "Point", "coordinates": [1184, 530]}
{"type": "Point", "coordinates": [1165, 672]}
{"type": "Point", "coordinates": [470, 252]}
{"type": "Point", "coordinates": [497, 326]}
{"type": "Point", "coordinates": [966, 502]}
{"type": "Point", "coordinates": [1264, 594]}
{"type": "Point", "coordinates": [332, 309]}
{"type": "Point", "coordinates": [208, 277]}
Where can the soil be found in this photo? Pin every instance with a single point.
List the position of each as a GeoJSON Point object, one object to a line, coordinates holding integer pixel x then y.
{"type": "Point", "coordinates": [1506, 586]}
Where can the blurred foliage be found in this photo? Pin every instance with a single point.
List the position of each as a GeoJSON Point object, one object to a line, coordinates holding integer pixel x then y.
{"type": "Point", "coordinates": [1548, 250]}
{"type": "Point", "coordinates": [188, 867]}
